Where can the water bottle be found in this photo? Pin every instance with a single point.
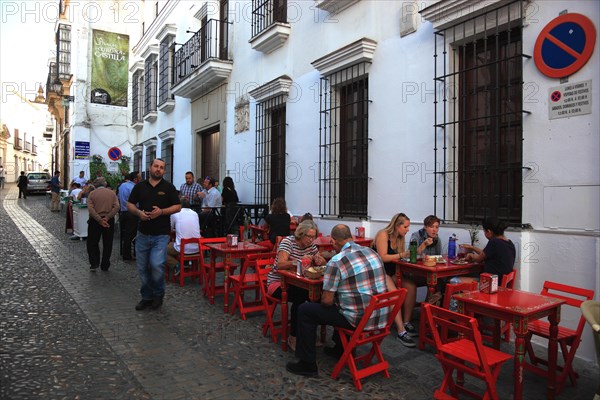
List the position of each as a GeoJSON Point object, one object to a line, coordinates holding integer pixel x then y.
{"type": "Point", "coordinates": [452, 248]}
{"type": "Point", "coordinates": [413, 251]}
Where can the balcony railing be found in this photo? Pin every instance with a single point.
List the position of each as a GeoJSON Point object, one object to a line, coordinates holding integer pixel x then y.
{"type": "Point", "coordinates": [34, 149]}
{"type": "Point", "coordinates": [27, 147]}
{"type": "Point", "coordinates": [209, 43]}
{"type": "Point", "coordinates": [18, 144]}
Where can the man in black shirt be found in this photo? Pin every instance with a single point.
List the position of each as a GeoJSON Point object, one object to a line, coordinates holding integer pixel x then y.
{"type": "Point", "coordinates": [157, 200]}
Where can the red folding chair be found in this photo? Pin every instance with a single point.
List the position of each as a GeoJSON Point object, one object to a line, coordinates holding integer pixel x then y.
{"type": "Point", "coordinates": [248, 281]}
{"type": "Point", "coordinates": [206, 267]}
{"type": "Point", "coordinates": [270, 303]}
{"type": "Point", "coordinates": [568, 338]}
{"type": "Point", "coordinates": [425, 335]}
{"type": "Point", "coordinates": [353, 338]}
{"type": "Point", "coordinates": [195, 270]}
{"type": "Point", "coordinates": [465, 355]}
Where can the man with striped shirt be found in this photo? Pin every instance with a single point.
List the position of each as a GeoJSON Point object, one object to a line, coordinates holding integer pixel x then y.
{"type": "Point", "coordinates": [351, 278]}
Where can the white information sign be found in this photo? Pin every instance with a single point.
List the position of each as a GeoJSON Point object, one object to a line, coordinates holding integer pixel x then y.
{"type": "Point", "coordinates": [570, 99]}
{"type": "Point", "coordinates": [113, 166]}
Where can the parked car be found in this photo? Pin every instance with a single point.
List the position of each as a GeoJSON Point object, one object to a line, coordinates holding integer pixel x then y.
{"type": "Point", "coordinates": [38, 182]}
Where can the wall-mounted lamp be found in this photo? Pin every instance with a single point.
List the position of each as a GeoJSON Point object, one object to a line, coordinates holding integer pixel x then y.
{"type": "Point", "coordinates": [188, 31]}
{"type": "Point", "coordinates": [57, 87]}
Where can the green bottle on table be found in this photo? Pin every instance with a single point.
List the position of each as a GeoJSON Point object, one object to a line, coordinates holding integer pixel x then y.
{"type": "Point", "coordinates": [413, 251]}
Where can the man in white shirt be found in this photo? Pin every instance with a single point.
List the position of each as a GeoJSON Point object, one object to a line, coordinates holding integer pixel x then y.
{"type": "Point", "coordinates": [80, 179]}
{"type": "Point", "coordinates": [211, 201]}
{"type": "Point", "coordinates": [186, 225]}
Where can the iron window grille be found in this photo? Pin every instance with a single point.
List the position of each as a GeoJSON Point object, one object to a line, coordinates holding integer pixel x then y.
{"type": "Point", "coordinates": [343, 143]}
{"type": "Point", "coordinates": [270, 153]}
{"type": "Point", "coordinates": [166, 153]}
{"type": "Point", "coordinates": [267, 12]}
{"type": "Point", "coordinates": [150, 84]}
{"type": "Point", "coordinates": [478, 117]}
{"type": "Point", "coordinates": [63, 51]}
{"type": "Point", "coordinates": [137, 161]}
{"type": "Point", "coordinates": [165, 65]}
{"type": "Point", "coordinates": [150, 157]}
{"type": "Point", "coordinates": [137, 85]}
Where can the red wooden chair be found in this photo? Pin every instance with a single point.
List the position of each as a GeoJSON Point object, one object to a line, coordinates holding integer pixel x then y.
{"type": "Point", "coordinates": [465, 355]}
{"type": "Point", "coordinates": [248, 281]}
{"type": "Point", "coordinates": [270, 303]}
{"type": "Point", "coordinates": [353, 338]}
{"type": "Point", "coordinates": [206, 267]}
{"type": "Point", "coordinates": [425, 335]}
{"type": "Point", "coordinates": [195, 270]}
{"type": "Point", "coordinates": [568, 338]}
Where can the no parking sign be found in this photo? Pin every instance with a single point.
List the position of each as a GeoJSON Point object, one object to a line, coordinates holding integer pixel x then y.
{"type": "Point", "coordinates": [114, 153]}
{"type": "Point", "coordinates": [564, 45]}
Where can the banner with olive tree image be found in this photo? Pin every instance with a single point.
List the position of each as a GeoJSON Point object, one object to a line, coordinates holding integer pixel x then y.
{"type": "Point", "coordinates": [110, 68]}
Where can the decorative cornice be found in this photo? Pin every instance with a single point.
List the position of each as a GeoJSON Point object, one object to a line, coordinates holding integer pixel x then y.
{"type": "Point", "coordinates": [137, 148]}
{"type": "Point", "coordinates": [150, 143]}
{"type": "Point", "coordinates": [446, 12]}
{"type": "Point", "coordinates": [271, 38]}
{"type": "Point", "coordinates": [271, 89]}
{"type": "Point", "coordinates": [167, 135]}
{"type": "Point", "coordinates": [334, 6]}
{"type": "Point", "coordinates": [151, 50]}
{"type": "Point", "coordinates": [137, 66]}
{"type": "Point", "coordinates": [155, 26]}
{"type": "Point", "coordinates": [360, 51]}
{"type": "Point", "coordinates": [166, 31]}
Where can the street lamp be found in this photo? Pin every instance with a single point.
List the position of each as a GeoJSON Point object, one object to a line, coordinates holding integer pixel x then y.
{"type": "Point", "coordinates": [57, 87]}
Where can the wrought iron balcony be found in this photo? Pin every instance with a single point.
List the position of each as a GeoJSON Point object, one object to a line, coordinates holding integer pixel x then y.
{"type": "Point", "coordinates": [202, 63]}
{"type": "Point", "coordinates": [27, 148]}
{"type": "Point", "coordinates": [18, 144]}
{"type": "Point", "coordinates": [34, 149]}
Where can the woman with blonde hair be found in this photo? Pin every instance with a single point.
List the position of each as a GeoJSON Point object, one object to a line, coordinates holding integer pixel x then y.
{"type": "Point", "coordinates": [390, 245]}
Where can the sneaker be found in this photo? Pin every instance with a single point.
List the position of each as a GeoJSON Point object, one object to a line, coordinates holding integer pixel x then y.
{"type": "Point", "coordinates": [143, 304]}
{"type": "Point", "coordinates": [156, 303]}
{"type": "Point", "coordinates": [406, 340]}
{"type": "Point", "coordinates": [411, 330]}
{"type": "Point", "coordinates": [94, 267]}
{"type": "Point", "coordinates": [302, 368]}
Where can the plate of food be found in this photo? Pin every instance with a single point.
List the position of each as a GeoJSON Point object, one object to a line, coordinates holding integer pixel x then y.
{"type": "Point", "coordinates": [439, 259]}
{"type": "Point", "coordinates": [459, 261]}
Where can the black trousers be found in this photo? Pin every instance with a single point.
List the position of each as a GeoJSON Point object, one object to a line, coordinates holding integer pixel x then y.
{"type": "Point", "coordinates": [95, 232]}
{"type": "Point", "coordinates": [296, 296]}
{"type": "Point", "coordinates": [23, 191]}
{"type": "Point", "coordinates": [128, 229]}
{"type": "Point", "coordinates": [310, 315]}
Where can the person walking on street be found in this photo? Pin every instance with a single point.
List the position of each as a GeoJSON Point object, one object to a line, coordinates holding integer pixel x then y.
{"type": "Point", "coordinates": [55, 186]}
{"type": "Point", "coordinates": [127, 221]}
{"type": "Point", "coordinates": [22, 184]}
{"type": "Point", "coordinates": [157, 200]}
{"type": "Point", "coordinates": [1, 177]}
{"type": "Point", "coordinates": [103, 205]}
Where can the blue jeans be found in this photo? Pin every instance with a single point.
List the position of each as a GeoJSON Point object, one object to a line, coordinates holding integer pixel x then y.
{"type": "Point", "coordinates": [151, 253]}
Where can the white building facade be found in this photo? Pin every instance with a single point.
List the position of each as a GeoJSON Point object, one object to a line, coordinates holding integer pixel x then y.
{"type": "Point", "coordinates": [356, 110]}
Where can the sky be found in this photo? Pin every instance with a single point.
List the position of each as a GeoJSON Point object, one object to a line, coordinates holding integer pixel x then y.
{"type": "Point", "coordinates": [26, 43]}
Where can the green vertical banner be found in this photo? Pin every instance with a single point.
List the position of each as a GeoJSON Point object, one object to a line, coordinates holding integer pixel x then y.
{"type": "Point", "coordinates": [110, 68]}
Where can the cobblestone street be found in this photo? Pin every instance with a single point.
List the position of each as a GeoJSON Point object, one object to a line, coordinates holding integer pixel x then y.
{"type": "Point", "coordinates": [66, 332]}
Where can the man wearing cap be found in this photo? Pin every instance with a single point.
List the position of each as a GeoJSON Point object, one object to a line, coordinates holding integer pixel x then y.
{"type": "Point", "coordinates": [103, 205]}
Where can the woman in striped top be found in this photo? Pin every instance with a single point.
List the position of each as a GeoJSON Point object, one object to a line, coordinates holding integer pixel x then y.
{"type": "Point", "coordinates": [291, 249]}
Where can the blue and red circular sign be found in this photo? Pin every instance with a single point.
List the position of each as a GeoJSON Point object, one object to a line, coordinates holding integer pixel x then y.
{"type": "Point", "coordinates": [556, 96]}
{"type": "Point", "coordinates": [564, 45]}
{"type": "Point", "coordinates": [114, 153]}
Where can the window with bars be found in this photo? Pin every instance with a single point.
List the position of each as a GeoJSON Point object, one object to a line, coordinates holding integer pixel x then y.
{"type": "Point", "coordinates": [267, 12]}
{"type": "Point", "coordinates": [344, 139]}
{"type": "Point", "coordinates": [63, 51]}
{"type": "Point", "coordinates": [166, 153]}
{"type": "Point", "coordinates": [137, 161]}
{"type": "Point", "coordinates": [150, 84]}
{"type": "Point", "coordinates": [150, 157]}
{"type": "Point", "coordinates": [270, 149]}
{"type": "Point", "coordinates": [165, 65]}
{"type": "Point", "coordinates": [137, 86]}
{"type": "Point", "coordinates": [479, 111]}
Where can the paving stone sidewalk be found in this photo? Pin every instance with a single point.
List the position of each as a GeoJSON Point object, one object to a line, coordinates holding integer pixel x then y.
{"type": "Point", "coordinates": [66, 332]}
